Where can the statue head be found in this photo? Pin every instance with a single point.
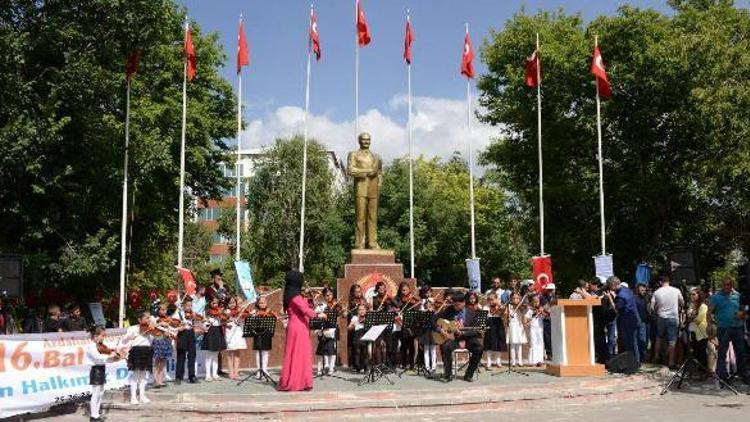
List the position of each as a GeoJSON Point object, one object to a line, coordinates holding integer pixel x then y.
{"type": "Point", "coordinates": [364, 140]}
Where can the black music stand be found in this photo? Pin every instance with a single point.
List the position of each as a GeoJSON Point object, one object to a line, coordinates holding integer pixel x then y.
{"type": "Point", "coordinates": [481, 326]}
{"type": "Point", "coordinates": [323, 324]}
{"type": "Point", "coordinates": [419, 321]}
{"type": "Point", "coordinates": [375, 372]}
{"type": "Point", "coordinates": [257, 325]}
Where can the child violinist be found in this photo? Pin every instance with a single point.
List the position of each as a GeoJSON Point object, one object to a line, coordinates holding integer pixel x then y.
{"type": "Point", "coordinates": [535, 318]}
{"type": "Point", "coordinates": [494, 337]}
{"type": "Point", "coordinates": [429, 348]}
{"type": "Point", "coordinates": [327, 337]}
{"type": "Point", "coordinates": [356, 298]}
{"type": "Point", "coordinates": [516, 333]}
{"type": "Point", "coordinates": [162, 345]}
{"type": "Point", "coordinates": [140, 356]}
{"type": "Point", "coordinates": [357, 330]}
{"type": "Point", "coordinates": [214, 341]}
{"type": "Point", "coordinates": [234, 338]}
{"type": "Point", "coordinates": [263, 340]}
{"type": "Point", "coordinates": [99, 355]}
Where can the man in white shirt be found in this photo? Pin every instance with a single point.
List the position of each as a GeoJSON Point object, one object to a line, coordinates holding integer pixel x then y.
{"type": "Point", "coordinates": [497, 287]}
{"type": "Point", "coordinates": [665, 306]}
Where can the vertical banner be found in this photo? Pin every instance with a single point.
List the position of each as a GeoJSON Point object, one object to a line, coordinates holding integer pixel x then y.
{"type": "Point", "coordinates": [643, 274]}
{"type": "Point", "coordinates": [97, 313]}
{"type": "Point", "coordinates": [245, 280]}
{"type": "Point", "coordinates": [542, 269]}
{"type": "Point", "coordinates": [475, 276]}
{"type": "Point", "coordinates": [603, 267]}
{"type": "Point", "coordinates": [188, 280]}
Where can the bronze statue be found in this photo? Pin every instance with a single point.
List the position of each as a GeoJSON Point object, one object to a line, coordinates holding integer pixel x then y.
{"type": "Point", "coordinates": [366, 168]}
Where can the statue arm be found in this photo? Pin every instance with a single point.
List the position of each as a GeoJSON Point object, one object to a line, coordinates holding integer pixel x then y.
{"type": "Point", "coordinates": [353, 170]}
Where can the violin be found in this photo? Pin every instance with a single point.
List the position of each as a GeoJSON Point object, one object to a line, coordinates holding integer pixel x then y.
{"type": "Point", "coordinates": [148, 328]}
{"type": "Point", "coordinates": [266, 313]}
{"type": "Point", "coordinates": [103, 349]}
{"type": "Point", "coordinates": [219, 314]}
{"type": "Point", "coordinates": [192, 316]}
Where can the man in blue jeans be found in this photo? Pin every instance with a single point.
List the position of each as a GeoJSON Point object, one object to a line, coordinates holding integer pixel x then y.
{"type": "Point", "coordinates": [724, 308]}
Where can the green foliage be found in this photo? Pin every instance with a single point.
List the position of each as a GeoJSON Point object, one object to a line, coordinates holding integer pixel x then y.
{"type": "Point", "coordinates": [441, 222]}
{"type": "Point", "coordinates": [675, 132]}
{"type": "Point", "coordinates": [62, 131]}
{"type": "Point", "coordinates": [274, 200]}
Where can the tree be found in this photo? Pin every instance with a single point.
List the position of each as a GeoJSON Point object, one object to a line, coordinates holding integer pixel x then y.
{"type": "Point", "coordinates": [61, 134]}
{"type": "Point", "coordinates": [679, 108]}
{"type": "Point", "coordinates": [274, 200]}
{"type": "Point", "coordinates": [441, 222]}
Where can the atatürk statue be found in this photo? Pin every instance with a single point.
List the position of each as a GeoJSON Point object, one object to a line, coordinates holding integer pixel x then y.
{"type": "Point", "coordinates": [366, 168]}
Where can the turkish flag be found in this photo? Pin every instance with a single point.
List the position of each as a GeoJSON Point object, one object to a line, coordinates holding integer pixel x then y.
{"type": "Point", "coordinates": [363, 31]}
{"type": "Point", "coordinates": [188, 280]}
{"type": "Point", "coordinates": [597, 69]}
{"type": "Point", "coordinates": [314, 36]}
{"type": "Point", "coordinates": [131, 67]}
{"type": "Point", "coordinates": [467, 60]}
{"type": "Point", "coordinates": [190, 55]}
{"type": "Point", "coordinates": [243, 54]}
{"type": "Point", "coordinates": [542, 268]}
{"type": "Point", "coordinates": [533, 70]}
{"type": "Point", "coordinates": [407, 41]}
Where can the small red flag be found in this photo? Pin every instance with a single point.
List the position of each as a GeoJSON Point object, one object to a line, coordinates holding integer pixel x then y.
{"type": "Point", "coordinates": [188, 280]}
{"type": "Point", "coordinates": [542, 268]}
{"type": "Point", "coordinates": [467, 61]}
{"type": "Point", "coordinates": [243, 55]}
{"type": "Point", "coordinates": [131, 67]}
{"type": "Point", "coordinates": [363, 31]}
{"type": "Point", "coordinates": [314, 36]}
{"type": "Point", "coordinates": [190, 55]}
{"type": "Point", "coordinates": [407, 41]}
{"type": "Point", "coordinates": [597, 69]}
{"type": "Point", "coordinates": [533, 70]}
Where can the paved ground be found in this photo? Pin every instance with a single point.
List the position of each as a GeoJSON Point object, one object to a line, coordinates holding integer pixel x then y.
{"type": "Point", "coordinates": [695, 402]}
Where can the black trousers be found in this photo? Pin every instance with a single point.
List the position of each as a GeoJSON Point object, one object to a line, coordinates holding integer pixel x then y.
{"type": "Point", "coordinates": [475, 348]}
{"type": "Point", "coordinates": [600, 343]}
{"type": "Point", "coordinates": [407, 350]}
{"type": "Point", "coordinates": [547, 334]}
{"type": "Point", "coordinates": [185, 349]}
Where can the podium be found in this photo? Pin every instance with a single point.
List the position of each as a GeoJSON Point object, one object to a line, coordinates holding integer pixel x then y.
{"type": "Point", "coordinates": [573, 339]}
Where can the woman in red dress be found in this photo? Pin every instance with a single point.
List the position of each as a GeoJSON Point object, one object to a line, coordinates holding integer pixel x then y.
{"type": "Point", "coordinates": [296, 370]}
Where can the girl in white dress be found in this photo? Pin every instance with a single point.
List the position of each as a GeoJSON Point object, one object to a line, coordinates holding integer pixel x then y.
{"type": "Point", "coordinates": [535, 317]}
{"type": "Point", "coordinates": [234, 338]}
{"type": "Point", "coordinates": [516, 332]}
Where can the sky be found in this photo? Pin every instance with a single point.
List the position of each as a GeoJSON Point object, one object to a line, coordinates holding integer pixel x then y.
{"type": "Point", "coordinates": [273, 86]}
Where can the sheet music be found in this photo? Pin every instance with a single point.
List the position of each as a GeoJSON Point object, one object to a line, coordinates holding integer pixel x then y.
{"type": "Point", "coordinates": [374, 332]}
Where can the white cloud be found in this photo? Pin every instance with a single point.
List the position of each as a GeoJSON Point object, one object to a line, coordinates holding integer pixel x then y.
{"type": "Point", "coordinates": [439, 129]}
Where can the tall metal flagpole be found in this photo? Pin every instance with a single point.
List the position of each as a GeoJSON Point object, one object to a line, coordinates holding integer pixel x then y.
{"type": "Point", "coordinates": [124, 222]}
{"type": "Point", "coordinates": [181, 217]}
{"type": "Point", "coordinates": [411, 165]}
{"type": "Point", "coordinates": [601, 162]}
{"type": "Point", "coordinates": [304, 155]}
{"type": "Point", "coordinates": [356, 69]}
{"type": "Point", "coordinates": [539, 142]}
{"type": "Point", "coordinates": [239, 157]}
{"type": "Point", "coordinates": [471, 162]}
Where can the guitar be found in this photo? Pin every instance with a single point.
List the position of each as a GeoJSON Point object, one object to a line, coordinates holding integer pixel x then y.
{"type": "Point", "coordinates": [451, 327]}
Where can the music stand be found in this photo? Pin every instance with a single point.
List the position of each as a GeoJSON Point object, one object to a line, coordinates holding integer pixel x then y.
{"type": "Point", "coordinates": [418, 321]}
{"type": "Point", "coordinates": [481, 326]}
{"type": "Point", "coordinates": [375, 372]}
{"type": "Point", "coordinates": [323, 324]}
{"type": "Point", "coordinates": [259, 325]}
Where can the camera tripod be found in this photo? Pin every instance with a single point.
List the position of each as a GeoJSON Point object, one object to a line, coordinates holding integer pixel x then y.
{"type": "Point", "coordinates": [689, 368]}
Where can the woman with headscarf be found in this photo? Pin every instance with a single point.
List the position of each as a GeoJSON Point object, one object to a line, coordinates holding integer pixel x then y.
{"type": "Point", "coordinates": [296, 370]}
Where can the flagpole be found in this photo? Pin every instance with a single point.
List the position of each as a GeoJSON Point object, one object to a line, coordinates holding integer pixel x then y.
{"type": "Point", "coordinates": [304, 155]}
{"type": "Point", "coordinates": [601, 161]}
{"type": "Point", "coordinates": [471, 162]}
{"type": "Point", "coordinates": [411, 164]}
{"type": "Point", "coordinates": [539, 146]}
{"type": "Point", "coordinates": [181, 217]}
{"type": "Point", "coordinates": [356, 70]}
{"type": "Point", "coordinates": [124, 222]}
{"type": "Point", "coordinates": [239, 157]}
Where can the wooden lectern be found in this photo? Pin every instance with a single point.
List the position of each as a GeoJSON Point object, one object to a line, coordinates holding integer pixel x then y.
{"type": "Point", "coordinates": [573, 339]}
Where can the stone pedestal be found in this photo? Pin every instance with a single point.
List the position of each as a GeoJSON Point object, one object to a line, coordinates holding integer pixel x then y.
{"type": "Point", "coordinates": [366, 268]}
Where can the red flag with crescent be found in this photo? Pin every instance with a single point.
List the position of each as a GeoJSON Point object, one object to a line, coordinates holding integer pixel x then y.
{"type": "Point", "coordinates": [188, 280]}
{"type": "Point", "coordinates": [190, 55]}
{"type": "Point", "coordinates": [597, 69]}
{"type": "Point", "coordinates": [314, 36]}
{"type": "Point", "coordinates": [542, 268]}
{"type": "Point", "coordinates": [243, 54]}
{"type": "Point", "coordinates": [533, 70]}
{"type": "Point", "coordinates": [407, 41]}
{"type": "Point", "coordinates": [467, 60]}
{"type": "Point", "coordinates": [363, 31]}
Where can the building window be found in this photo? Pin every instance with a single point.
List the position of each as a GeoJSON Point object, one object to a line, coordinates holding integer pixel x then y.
{"type": "Point", "coordinates": [210, 214]}
{"type": "Point", "coordinates": [216, 259]}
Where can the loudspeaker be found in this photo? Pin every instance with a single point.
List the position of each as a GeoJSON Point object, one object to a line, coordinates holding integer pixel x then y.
{"type": "Point", "coordinates": [624, 363]}
{"type": "Point", "coordinates": [11, 275]}
{"type": "Point", "coordinates": [683, 266]}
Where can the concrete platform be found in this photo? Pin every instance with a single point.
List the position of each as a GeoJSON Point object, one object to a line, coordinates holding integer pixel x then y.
{"type": "Point", "coordinates": [411, 395]}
